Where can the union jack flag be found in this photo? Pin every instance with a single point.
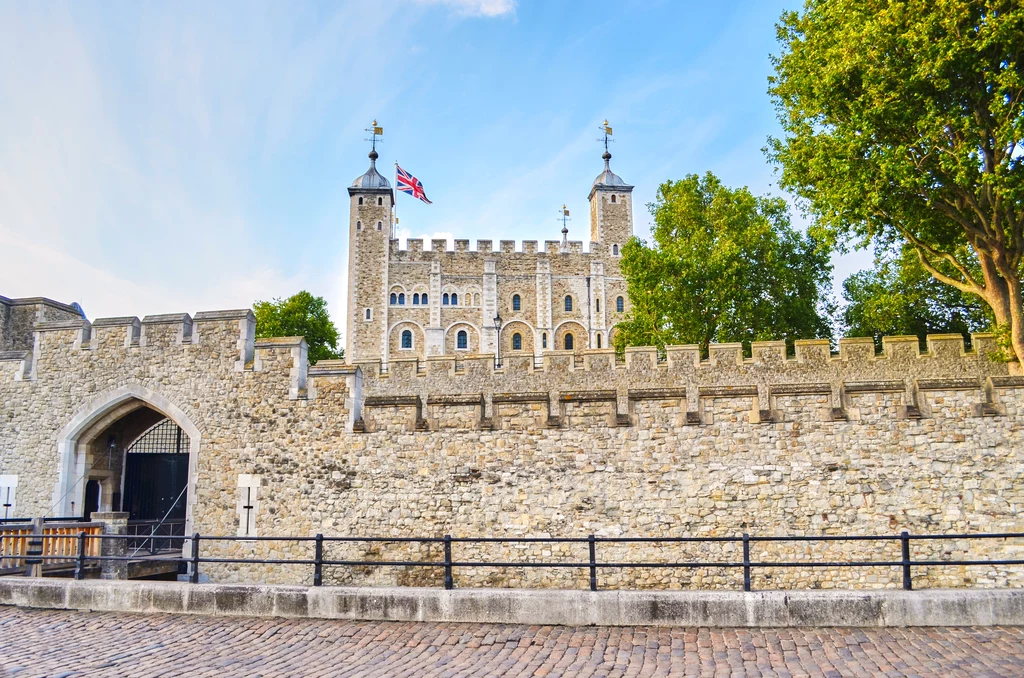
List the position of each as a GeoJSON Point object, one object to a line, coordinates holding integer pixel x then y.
{"type": "Point", "coordinates": [407, 183]}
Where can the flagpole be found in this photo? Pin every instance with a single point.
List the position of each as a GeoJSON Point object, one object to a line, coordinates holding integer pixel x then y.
{"type": "Point", "coordinates": [394, 208]}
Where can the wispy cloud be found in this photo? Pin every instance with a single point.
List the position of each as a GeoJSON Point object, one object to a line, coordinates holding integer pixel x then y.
{"type": "Point", "coordinates": [485, 8]}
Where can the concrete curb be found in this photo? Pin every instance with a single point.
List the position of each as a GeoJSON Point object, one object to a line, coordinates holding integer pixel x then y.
{"type": "Point", "coordinates": [934, 607]}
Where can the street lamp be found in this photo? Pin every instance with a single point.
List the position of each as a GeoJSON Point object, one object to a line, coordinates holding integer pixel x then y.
{"type": "Point", "coordinates": [497, 332]}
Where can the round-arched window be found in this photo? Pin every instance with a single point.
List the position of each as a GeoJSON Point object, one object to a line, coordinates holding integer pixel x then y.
{"type": "Point", "coordinates": [570, 342]}
{"type": "Point", "coordinates": [401, 299]}
{"type": "Point", "coordinates": [620, 304]}
{"type": "Point", "coordinates": [445, 299]}
{"type": "Point", "coordinates": [462, 339]}
{"type": "Point", "coordinates": [394, 299]}
{"type": "Point", "coordinates": [517, 303]}
{"type": "Point", "coordinates": [568, 302]}
{"type": "Point", "coordinates": [517, 342]}
{"type": "Point", "coordinates": [416, 299]}
{"type": "Point", "coordinates": [455, 299]}
{"type": "Point", "coordinates": [406, 339]}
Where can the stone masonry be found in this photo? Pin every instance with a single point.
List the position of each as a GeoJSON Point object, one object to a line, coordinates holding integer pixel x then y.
{"type": "Point", "coordinates": [415, 303]}
{"type": "Point", "coordinates": [578, 443]}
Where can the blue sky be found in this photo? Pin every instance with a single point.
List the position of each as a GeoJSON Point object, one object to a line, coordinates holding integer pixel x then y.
{"type": "Point", "coordinates": [176, 157]}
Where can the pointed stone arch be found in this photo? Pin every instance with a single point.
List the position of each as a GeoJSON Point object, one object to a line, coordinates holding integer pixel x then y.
{"type": "Point", "coordinates": [93, 417]}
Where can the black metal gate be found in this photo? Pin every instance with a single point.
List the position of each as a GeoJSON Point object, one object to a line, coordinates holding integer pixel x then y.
{"type": "Point", "coordinates": [156, 473]}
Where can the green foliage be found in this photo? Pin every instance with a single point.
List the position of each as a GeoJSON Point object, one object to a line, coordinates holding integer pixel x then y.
{"type": "Point", "coordinates": [899, 297]}
{"type": "Point", "coordinates": [905, 120]}
{"type": "Point", "coordinates": [724, 266]}
{"type": "Point", "coordinates": [300, 315]}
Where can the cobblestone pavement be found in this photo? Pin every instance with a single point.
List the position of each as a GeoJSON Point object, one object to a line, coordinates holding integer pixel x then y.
{"type": "Point", "coordinates": [60, 643]}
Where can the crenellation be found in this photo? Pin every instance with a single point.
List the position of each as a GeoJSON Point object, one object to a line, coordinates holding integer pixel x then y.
{"type": "Point", "coordinates": [169, 329]}
{"type": "Point", "coordinates": [114, 333]}
{"type": "Point", "coordinates": [529, 247]}
{"type": "Point", "coordinates": [507, 246]}
{"type": "Point", "coordinates": [461, 245]}
{"type": "Point", "coordinates": [439, 245]}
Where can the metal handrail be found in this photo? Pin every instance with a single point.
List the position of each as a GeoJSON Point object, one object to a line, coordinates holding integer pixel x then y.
{"type": "Point", "coordinates": [746, 563]}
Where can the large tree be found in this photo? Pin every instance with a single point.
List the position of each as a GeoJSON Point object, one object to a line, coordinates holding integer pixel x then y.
{"type": "Point", "coordinates": [898, 296]}
{"type": "Point", "coordinates": [906, 119]}
{"type": "Point", "coordinates": [303, 315]}
{"type": "Point", "coordinates": [724, 266]}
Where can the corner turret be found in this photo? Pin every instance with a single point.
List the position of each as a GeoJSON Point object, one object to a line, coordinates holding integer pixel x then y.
{"type": "Point", "coordinates": [611, 207]}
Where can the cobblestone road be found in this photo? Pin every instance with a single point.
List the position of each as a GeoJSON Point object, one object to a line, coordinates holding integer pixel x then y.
{"type": "Point", "coordinates": [58, 643]}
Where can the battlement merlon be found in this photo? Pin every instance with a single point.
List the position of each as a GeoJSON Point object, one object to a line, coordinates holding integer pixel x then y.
{"type": "Point", "coordinates": [769, 372]}
{"type": "Point", "coordinates": [506, 247]}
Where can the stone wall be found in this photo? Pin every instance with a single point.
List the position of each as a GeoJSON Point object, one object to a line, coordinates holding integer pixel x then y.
{"type": "Point", "coordinates": [852, 444]}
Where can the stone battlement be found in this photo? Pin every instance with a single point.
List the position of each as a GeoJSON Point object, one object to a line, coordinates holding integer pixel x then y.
{"type": "Point", "coordinates": [440, 246]}
{"type": "Point", "coordinates": [557, 388]}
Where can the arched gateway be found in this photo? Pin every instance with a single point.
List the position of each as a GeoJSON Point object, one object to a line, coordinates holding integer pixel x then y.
{"type": "Point", "coordinates": [128, 449]}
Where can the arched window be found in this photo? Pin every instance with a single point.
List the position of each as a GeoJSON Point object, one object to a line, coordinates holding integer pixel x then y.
{"type": "Point", "coordinates": [544, 340]}
{"type": "Point", "coordinates": [380, 225]}
{"type": "Point", "coordinates": [462, 339]}
{"type": "Point", "coordinates": [455, 299]}
{"type": "Point", "coordinates": [613, 198]}
{"type": "Point", "coordinates": [369, 314]}
{"type": "Point", "coordinates": [394, 298]}
{"type": "Point", "coordinates": [423, 298]}
{"type": "Point", "coordinates": [444, 299]}
{"type": "Point", "coordinates": [380, 201]}
{"type": "Point", "coordinates": [359, 225]}
{"type": "Point", "coordinates": [620, 304]}
{"type": "Point", "coordinates": [598, 302]}
{"type": "Point", "coordinates": [568, 303]}
{"type": "Point", "coordinates": [416, 299]}
{"type": "Point", "coordinates": [406, 338]}
{"type": "Point", "coordinates": [615, 250]}
{"type": "Point", "coordinates": [476, 299]}
{"type": "Point", "coordinates": [401, 299]}
{"type": "Point", "coordinates": [360, 201]}
{"type": "Point", "coordinates": [517, 342]}
{"type": "Point", "coordinates": [570, 342]}
{"type": "Point", "coordinates": [517, 303]}
{"type": "Point", "coordinates": [599, 341]}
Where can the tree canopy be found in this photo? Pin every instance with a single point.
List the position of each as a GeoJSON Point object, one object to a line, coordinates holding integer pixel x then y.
{"type": "Point", "coordinates": [906, 120]}
{"type": "Point", "coordinates": [304, 315]}
{"type": "Point", "coordinates": [724, 266]}
{"type": "Point", "coordinates": [898, 296]}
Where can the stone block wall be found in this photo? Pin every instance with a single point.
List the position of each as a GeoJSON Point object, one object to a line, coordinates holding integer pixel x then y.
{"type": "Point", "coordinates": [852, 444]}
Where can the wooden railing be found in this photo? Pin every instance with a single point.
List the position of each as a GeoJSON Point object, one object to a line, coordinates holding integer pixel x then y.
{"type": "Point", "coordinates": [61, 542]}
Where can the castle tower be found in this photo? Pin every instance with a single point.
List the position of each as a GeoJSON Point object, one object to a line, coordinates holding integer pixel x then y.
{"type": "Point", "coordinates": [371, 200]}
{"type": "Point", "coordinates": [611, 209]}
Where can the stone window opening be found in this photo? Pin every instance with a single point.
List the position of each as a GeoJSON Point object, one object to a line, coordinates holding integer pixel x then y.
{"type": "Point", "coordinates": [445, 300]}
{"type": "Point", "coordinates": [369, 314]}
{"type": "Point", "coordinates": [544, 340]}
{"type": "Point", "coordinates": [455, 299]}
{"type": "Point", "coordinates": [359, 225]}
{"type": "Point", "coordinates": [598, 302]}
{"type": "Point", "coordinates": [360, 201]}
{"type": "Point", "coordinates": [462, 340]}
{"type": "Point", "coordinates": [613, 198]}
{"type": "Point", "coordinates": [380, 201]}
{"type": "Point", "coordinates": [380, 225]}
{"type": "Point", "coordinates": [401, 299]}
{"type": "Point", "coordinates": [406, 339]}
{"type": "Point", "coordinates": [423, 298]}
{"type": "Point", "coordinates": [569, 341]}
{"type": "Point", "coordinates": [615, 250]}
{"type": "Point", "coordinates": [568, 303]}
{"type": "Point", "coordinates": [476, 299]}
{"type": "Point", "coordinates": [394, 298]}
{"type": "Point", "coordinates": [620, 304]}
{"type": "Point", "coordinates": [517, 342]}
{"type": "Point", "coordinates": [599, 341]}
{"type": "Point", "coordinates": [416, 299]}
{"type": "Point", "coordinates": [517, 303]}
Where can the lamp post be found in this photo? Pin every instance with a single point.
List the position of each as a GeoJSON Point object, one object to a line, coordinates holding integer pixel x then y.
{"type": "Point", "coordinates": [497, 344]}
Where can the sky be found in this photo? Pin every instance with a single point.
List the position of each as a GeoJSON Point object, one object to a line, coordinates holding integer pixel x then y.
{"type": "Point", "coordinates": [182, 157]}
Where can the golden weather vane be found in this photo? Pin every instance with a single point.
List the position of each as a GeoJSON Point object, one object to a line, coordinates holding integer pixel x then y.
{"type": "Point", "coordinates": [606, 128]}
{"type": "Point", "coordinates": [375, 131]}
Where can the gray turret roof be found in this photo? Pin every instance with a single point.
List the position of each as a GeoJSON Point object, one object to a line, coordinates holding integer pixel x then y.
{"type": "Point", "coordinates": [372, 179]}
{"type": "Point", "coordinates": [608, 178]}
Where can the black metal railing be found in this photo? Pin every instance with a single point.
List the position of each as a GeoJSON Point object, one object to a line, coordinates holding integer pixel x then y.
{"type": "Point", "coordinates": [191, 544]}
{"type": "Point", "coordinates": [154, 536]}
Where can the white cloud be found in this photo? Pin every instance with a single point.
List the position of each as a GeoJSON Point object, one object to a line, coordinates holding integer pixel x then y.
{"type": "Point", "coordinates": [487, 8]}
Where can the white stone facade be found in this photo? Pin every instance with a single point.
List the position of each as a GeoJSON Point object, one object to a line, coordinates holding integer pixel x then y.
{"type": "Point", "coordinates": [416, 303]}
